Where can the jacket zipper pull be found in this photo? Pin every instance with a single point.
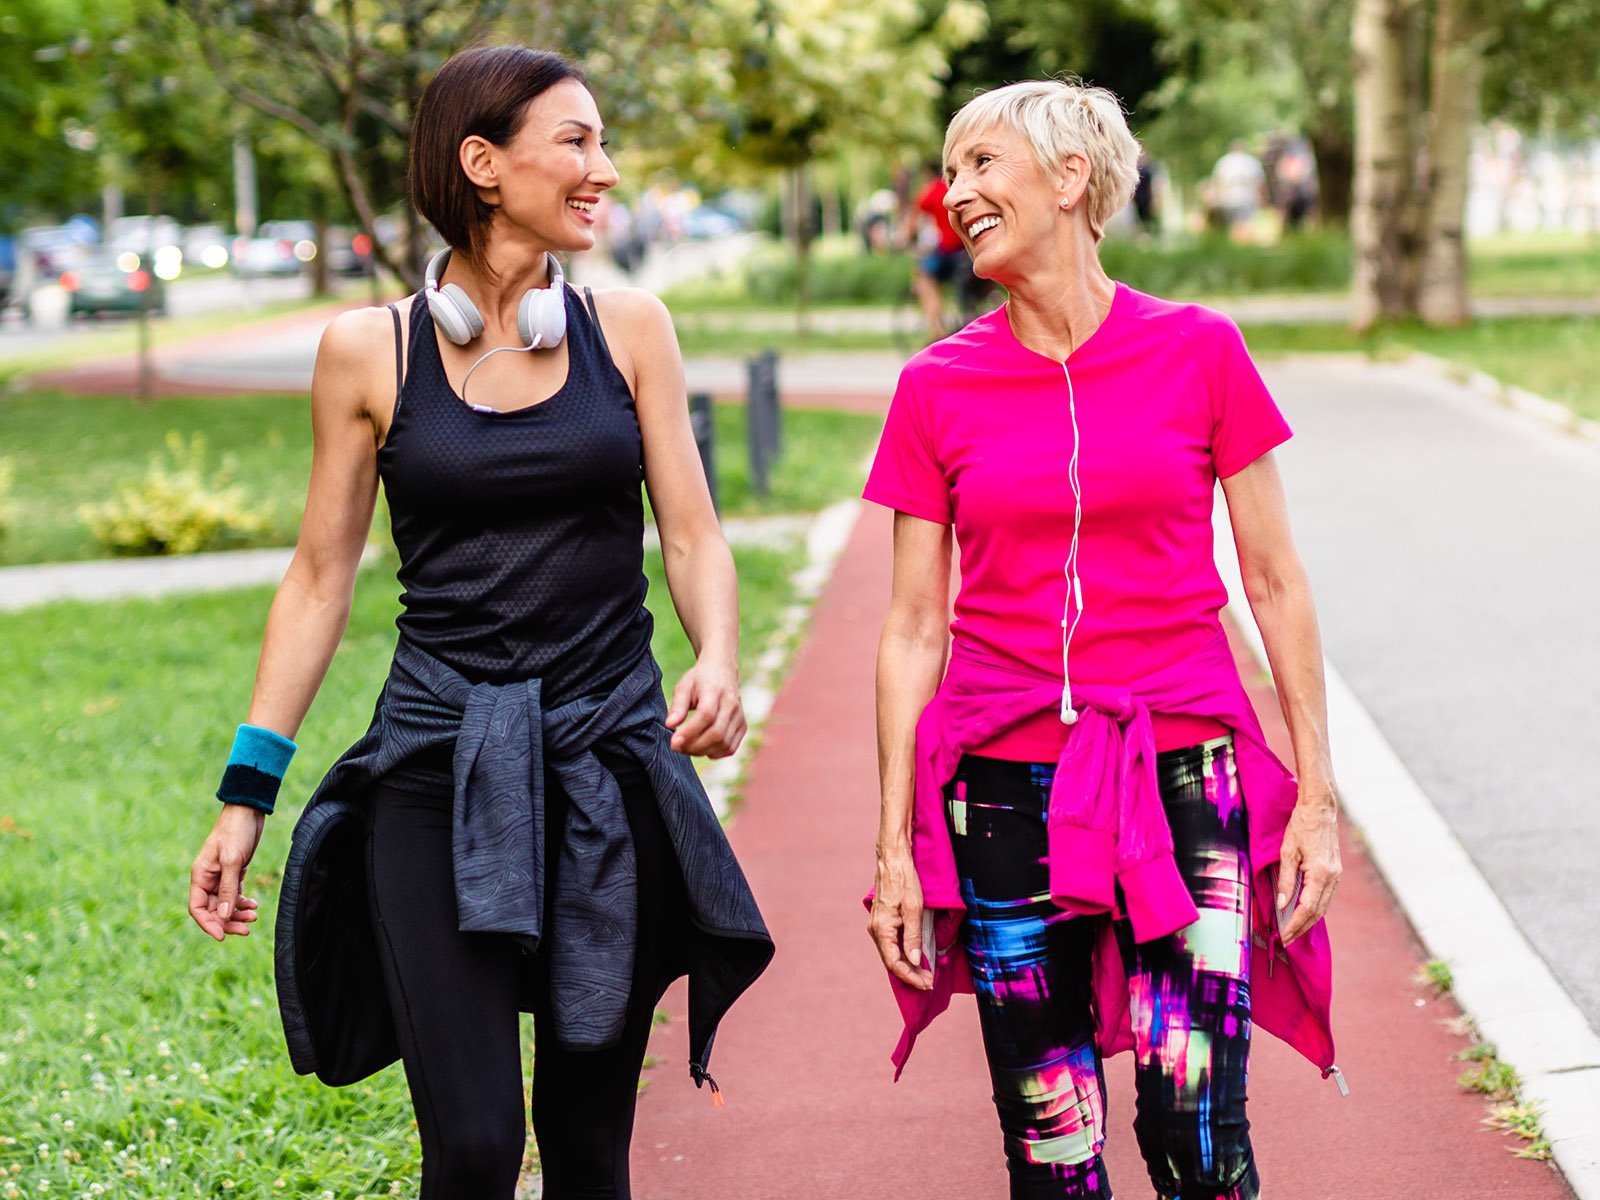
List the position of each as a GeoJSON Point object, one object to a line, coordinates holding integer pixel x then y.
{"type": "Point", "coordinates": [1338, 1079]}
{"type": "Point", "coordinates": [702, 1076]}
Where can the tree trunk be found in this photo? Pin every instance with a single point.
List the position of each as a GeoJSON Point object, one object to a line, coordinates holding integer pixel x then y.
{"type": "Point", "coordinates": [1453, 112]}
{"type": "Point", "coordinates": [800, 200]}
{"type": "Point", "coordinates": [321, 277]}
{"type": "Point", "coordinates": [1381, 219]}
{"type": "Point", "coordinates": [1335, 160]}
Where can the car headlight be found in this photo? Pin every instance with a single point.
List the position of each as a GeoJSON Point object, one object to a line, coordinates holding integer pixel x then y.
{"type": "Point", "coordinates": [168, 263]}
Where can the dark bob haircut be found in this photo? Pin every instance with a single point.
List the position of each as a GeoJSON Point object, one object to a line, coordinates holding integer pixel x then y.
{"type": "Point", "coordinates": [481, 92]}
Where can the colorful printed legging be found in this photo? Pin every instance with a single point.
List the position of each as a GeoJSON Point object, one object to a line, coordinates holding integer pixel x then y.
{"type": "Point", "coordinates": [1189, 993]}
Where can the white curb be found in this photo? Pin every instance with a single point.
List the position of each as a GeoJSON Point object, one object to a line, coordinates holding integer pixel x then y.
{"type": "Point", "coordinates": [1499, 980]}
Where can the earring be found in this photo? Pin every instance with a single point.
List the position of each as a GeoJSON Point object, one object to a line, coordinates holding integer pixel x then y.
{"type": "Point", "coordinates": [1065, 202]}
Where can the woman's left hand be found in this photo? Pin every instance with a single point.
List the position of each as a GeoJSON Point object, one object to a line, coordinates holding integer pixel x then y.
{"type": "Point", "coordinates": [706, 716]}
{"type": "Point", "coordinates": [1311, 850]}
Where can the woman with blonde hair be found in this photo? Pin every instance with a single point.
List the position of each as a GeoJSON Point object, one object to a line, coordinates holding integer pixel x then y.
{"type": "Point", "coordinates": [1081, 821]}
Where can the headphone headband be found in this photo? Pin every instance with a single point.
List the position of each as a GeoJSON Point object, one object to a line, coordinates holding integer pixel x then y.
{"type": "Point", "coordinates": [541, 313]}
{"type": "Point", "coordinates": [437, 264]}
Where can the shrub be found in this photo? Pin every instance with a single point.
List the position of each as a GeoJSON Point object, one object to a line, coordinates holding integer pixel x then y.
{"type": "Point", "coordinates": [176, 508]}
{"type": "Point", "coordinates": [1211, 265]}
{"type": "Point", "coordinates": [839, 275]}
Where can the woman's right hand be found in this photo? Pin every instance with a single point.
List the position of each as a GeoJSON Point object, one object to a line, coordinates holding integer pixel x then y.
{"type": "Point", "coordinates": [896, 923]}
{"type": "Point", "coordinates": [216, 881]}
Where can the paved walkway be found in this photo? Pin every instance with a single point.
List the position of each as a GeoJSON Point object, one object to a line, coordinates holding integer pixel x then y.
{"type": "Point", "coordinates": [277, 355]}
{"type": "Point", "coordinates": [803, 1060]}
{"type": "Point", "coordinates": [1455, 551]}
{"type": "Point", "coordinates": [123, 578]}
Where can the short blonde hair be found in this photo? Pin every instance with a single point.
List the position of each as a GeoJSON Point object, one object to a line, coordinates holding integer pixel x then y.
{"type": "Point", "coordinates": [1061, 118]}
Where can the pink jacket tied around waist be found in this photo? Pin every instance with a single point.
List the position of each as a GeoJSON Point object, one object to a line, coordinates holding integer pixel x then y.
{"type": "Point", "coordinates": [1108, 827]}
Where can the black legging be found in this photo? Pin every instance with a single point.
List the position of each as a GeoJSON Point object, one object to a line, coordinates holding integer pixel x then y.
{"type": "Point", "coordinates": [456, 998]}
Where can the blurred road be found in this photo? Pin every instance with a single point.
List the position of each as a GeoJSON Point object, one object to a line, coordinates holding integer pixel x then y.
{"type": "Point", "coordinates": [1455, 552]}
{"type": "Point", "coordinates": [185, 298]}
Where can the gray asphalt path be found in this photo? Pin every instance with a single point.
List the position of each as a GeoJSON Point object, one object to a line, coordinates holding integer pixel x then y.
{"type": "Point", "coordinates": [185, 297]}
{"type": "Point", "coordinates": [1455, 551]}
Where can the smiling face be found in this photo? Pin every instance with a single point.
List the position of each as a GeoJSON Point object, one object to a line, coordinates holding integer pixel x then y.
{"type": "Point", "coordinates": [1002, 203]}
{"type": "Point", "coordinates": [551, 174]}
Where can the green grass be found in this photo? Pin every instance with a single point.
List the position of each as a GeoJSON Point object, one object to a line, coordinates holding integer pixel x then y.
{"type": "Point", "coordinates": [1537, 264]}
{"type": "Point", "coordinates": [1436, 974]}
{"type": "Point", "coordinates": [1550, 356]}
{"type": "Point", "coordinates": [73, 450]}
{"type": "Point", "coordinates": [70, 450]}
{"type": "Point", "coordinates": [135, 1054]}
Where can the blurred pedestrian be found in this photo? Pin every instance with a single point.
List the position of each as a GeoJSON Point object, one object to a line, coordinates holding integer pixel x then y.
{"type": "Point", "coordinates": [1238, 189]}
{"type": "Point", "coordinates": [1081, 821]}
{"type": "Point", "coordinates": [941, 257]}
{"type": "Point", "coordinates": [1294, 184]}
{"type": "Point", "coordinates": [875, 221]}
{"type": "Point", "coordinates": [1144, 194]}
{"type": "Point", "coordinates": [521, 827]}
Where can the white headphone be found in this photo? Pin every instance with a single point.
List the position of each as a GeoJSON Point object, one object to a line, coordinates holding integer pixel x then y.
{"type": "Point", "coordinates": [541, 313]}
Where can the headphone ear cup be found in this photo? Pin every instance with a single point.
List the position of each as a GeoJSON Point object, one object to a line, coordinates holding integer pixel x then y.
{"type": "Point", "coordinates": [542, 315]}
{"type": "Point", "coordinates": [455, 313]}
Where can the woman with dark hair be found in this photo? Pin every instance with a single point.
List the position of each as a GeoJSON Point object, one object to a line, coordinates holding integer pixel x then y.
{"type": "Point", "coordinates": [521, 828]}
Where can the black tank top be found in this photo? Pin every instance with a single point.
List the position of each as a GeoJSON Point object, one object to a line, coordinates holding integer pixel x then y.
{"type": "Point", "coordinates": [521, 533]}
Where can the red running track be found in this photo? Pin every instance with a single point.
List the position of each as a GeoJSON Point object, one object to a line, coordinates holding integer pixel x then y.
{"type": "Point", "coordinates": [803, 1059]}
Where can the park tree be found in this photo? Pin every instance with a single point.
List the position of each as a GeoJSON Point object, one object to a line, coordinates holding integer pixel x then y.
{"type": "Point", "coordinates": [100, 104]}
{"type": "Point", "coordinates": [348, 78]}
{"type": "Point", "coordinates": [1238, 67]}
{"type": "Point", "coordinates": [807, 78]}
{"type": "Point", "coordinates": [1424, 70]}
{"type": "Point", "coordinates": [347, 74]}
{"type": "Point", "coordinates": [1109, 43]}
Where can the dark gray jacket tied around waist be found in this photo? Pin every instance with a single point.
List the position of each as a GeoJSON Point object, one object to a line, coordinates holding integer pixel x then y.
{"type": "Point", "coordinates": [335, 1012]}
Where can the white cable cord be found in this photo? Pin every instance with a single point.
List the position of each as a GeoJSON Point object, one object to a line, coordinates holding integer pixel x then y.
{"type": "Point", "coordinates": [533, 345]}
{"type": "Point", "coordinates": [1072, 612]}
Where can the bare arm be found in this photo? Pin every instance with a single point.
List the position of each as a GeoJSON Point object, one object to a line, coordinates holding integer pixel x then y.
{"type": "Point", "coordinates": [312, 605]}
{"type": "Point", "coordinates": [1279, 592]}
{"type": "Point", "coordinates": [911, 658]}
{"type": "Point", "coordinates": [706, 715]}
{"type": "Point", "coordinates": [308, 614]}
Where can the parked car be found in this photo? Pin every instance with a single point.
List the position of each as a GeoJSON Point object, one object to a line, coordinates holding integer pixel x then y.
{"type": "Point", "coordinates": [57, 248]}
{"type": "Point", "coordinates": [704, 221]}
{"type": "Point", "coordinates": [18, 277]}
{"type": "Point", "coordinates": [143, 234]}
{"type": "Point", "coordinates": [349, 251]}
{"type": "Point", "coordinates": [205, 245]}
{"type": "Point", "coordinates": [114, 282]}
{"type": "Point", "coordinates": [279, 248]}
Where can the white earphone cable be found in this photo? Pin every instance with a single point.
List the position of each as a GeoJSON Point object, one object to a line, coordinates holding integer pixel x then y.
{"type": "Point", "coordinates": [1073, 609]}
{"type": "Point", "coordinates": [533, 345]}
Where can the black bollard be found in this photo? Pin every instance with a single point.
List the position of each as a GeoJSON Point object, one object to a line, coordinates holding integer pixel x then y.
{"type": "Point", "coordinates": [763, 418]}
{"type": "Point", "coordinates": [702, 422]}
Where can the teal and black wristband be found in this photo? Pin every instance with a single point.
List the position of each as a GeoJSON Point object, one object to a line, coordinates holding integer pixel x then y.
{"type": "Point", "coordinates": [255, 768]}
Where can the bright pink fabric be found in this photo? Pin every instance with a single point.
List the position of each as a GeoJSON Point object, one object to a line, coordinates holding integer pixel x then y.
{"type": "Point", "coordinates": [978, 435]}
{"type": "Point", "coordinates": [1107, 827]}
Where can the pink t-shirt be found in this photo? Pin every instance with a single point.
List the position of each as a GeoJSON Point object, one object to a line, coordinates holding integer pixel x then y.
{"type": "Point", "coordinates": [978, 434]}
